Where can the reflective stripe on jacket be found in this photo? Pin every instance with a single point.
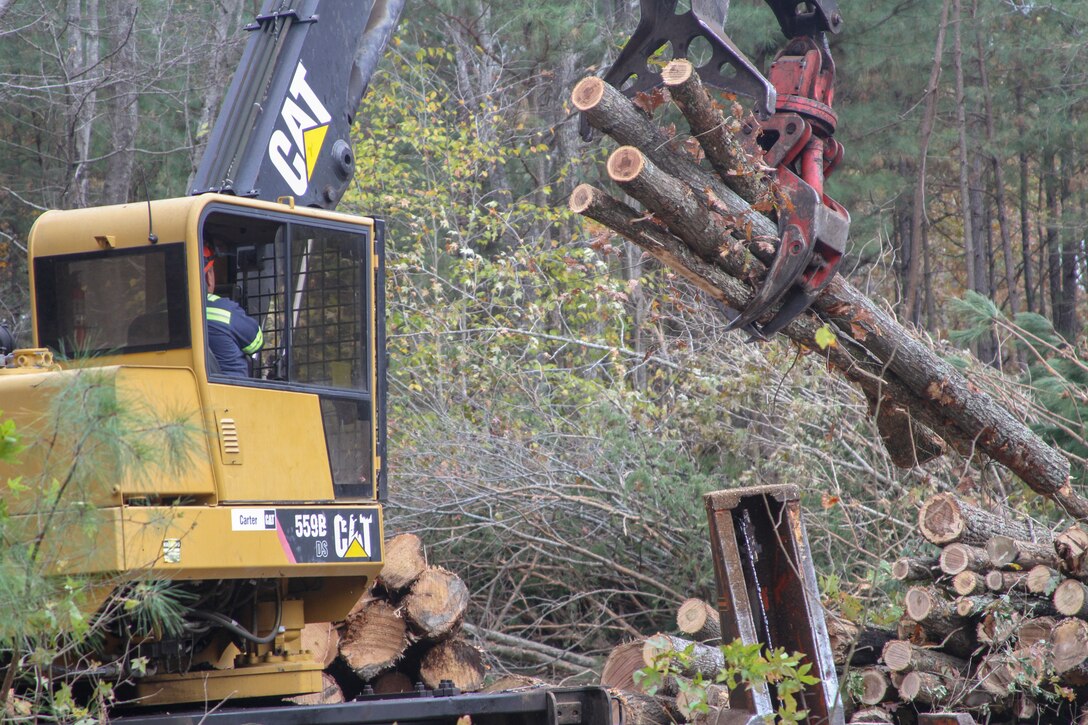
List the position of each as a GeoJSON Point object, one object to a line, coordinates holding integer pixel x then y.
{"type": "Point", "coordinates": [232, 334]}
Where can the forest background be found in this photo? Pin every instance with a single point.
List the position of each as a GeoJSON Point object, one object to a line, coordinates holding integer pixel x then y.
{"type": "Point", "coordinates": [558, 402]}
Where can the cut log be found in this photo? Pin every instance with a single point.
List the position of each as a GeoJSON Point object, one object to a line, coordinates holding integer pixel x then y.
{"type": "Point", "coordinates": [1069, 639]}
{"type": "Point", "coordinates": [636, 709]}
{"type": "Point", "coordinates": [973, 605]}
{"type": "Point", "coordinates": [716, 696]}
{"type": "Point", "coordinates": [902, 656]}
{"type": "Point", "coordinates": [967, 583]}
{"type": "Point", "coordinates": [998, 626]}
{"type": "Point", "coordinates": [876, 686]}
{"type": "Point", "coordinates": [1007, 581]}
{"type": "Point", "coordinates": [1005, 551]}
{"type": "Point", "coordinates": [374, 640]}
{"type": "Point", "coordinates": [961, 557]}
{"type": "Point", "coordinates": [944, 519]}
{"type": "Point", "coordinates": [392, 683]}
{"type": "Point", "coordinates": [713, 278]}
{"type": "Point", "coordinates": [1071, 546]}
{"type": "Point", "coordinates": [928, 688]}
{"type": "Point", "coordinates": [1032, 631]}
{"type": "Point", "coordinates": [436, 604]}
{"type": "Point", "coordinates": [405, 560]}
{"type": "Point", "coordinates": [858, 646]}
{"type": "Point", "coordinates": [915, 569]}
{"type": "Point", "coordinates": [623, 662]}
{"type": "Point", "coordinates": [454, 660]}
{"type": "Point", "coordinates": [1003, 673]}
{"type": "Point", "coordinates": [322, 641]}
{"type": "Point", "coordinates": [716, 133]}
{"type": "Point", "coordinates": [514, 682]}
{"type": "Point", "coordinates": [1043, 580]}
{"type": "Point", "coordinates": [704, 659]}
{"type": "Point", "coordinates": [1071, 598]}
{"type": "Point", "coordinates": [699, 620]}
{"type": "Point", "coordinates": [872, 716]}
{"type": "Point", "coordinates": [330, 694]}
{"type": "Point", "coordinates": [960, 642]}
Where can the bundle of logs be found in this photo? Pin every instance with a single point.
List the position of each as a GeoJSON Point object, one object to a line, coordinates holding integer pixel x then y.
{"type": "Point", "coordinates": [708, 203]}
{"type": "Point", "coordinates": [406, 629]}
{"type": "Point", "coordinates": [994, 624]}
{"type": "Point", "coordinates": [995, 629]}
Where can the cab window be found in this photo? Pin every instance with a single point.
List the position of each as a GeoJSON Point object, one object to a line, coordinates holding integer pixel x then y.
{"type": "Point", "coordinates": [113, 301]}
{"type": "Point", "coordinates": [304, 285]}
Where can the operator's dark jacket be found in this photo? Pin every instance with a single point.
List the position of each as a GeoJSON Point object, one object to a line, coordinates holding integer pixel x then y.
{"type": "Point", "coordinates": [232, 334]}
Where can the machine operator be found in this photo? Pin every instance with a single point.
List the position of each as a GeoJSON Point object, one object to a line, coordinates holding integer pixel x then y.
{"type": "Point", "coordinates": [232, 334]}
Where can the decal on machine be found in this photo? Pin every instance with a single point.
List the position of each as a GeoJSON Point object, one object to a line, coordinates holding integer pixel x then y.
{"type": "Point", "coordinates": [310, 536]}
{"type": "Point", "coordinates": [253, 519]}
{"type": "Point", "coordinates": [294, 149]}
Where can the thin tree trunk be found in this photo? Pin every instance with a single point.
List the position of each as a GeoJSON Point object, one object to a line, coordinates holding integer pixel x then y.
{"type": "Point", "coordinates": [1069, 327]}
{"type": "Point", "coordinates": [1053, 240]}
{"type": "Point", "coordinates": [999, 176]}
{"type": "Point", "coordinates": [917, 238]}
{"type": "Point", "coordinates": [123, 112]}
{"type": "Point", "coordinates": [961, 125]}
{"type": "Point", "coordinates": [81, 67]}
{"type": "Point", "coordinates": [225, 22]}
{"type": "Point", "coordinates": [1025, 217]}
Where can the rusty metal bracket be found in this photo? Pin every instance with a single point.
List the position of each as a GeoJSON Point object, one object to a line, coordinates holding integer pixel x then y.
{"type": "Point", "coordinates": [767, 590]}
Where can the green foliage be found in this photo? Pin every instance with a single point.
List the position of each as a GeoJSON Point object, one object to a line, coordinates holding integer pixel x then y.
{"type": "Point", "coordinates": [746, 665]}
{"type": "Point", "coordinates": [1055, 372]}
{"type": "Point", "coordinates": [87, 440]}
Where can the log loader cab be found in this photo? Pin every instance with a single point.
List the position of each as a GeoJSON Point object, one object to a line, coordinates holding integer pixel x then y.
{"type": "Point", "coordinates": [277, 519]}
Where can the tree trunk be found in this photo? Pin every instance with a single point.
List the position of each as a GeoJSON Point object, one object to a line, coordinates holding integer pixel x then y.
{"type": "Point", "coordinates": [1043, 580]}
{"type": "Point", "coordinates": [969, 241]}
{"type": "Point", "coordinates": [1071, 598]}
{"type": "Point", "coordinates": [929, 115]}
{"type": "Point", "coordinates": [83, 77]}
{"type": "Point", "coordinates": [122, 101]}
{"type": "Point", "coordinates": [955, 410]}
{"type": "Point", "coordinates": [1007, 551]}
{"type": "Point", "coordinates": [322, 640]}
{"type": "Point", "coordinates": [436, 603]}
{"type": "Point", "coordinates": [699, 620]}
{"type": "Point", "coordinates": [374, 640]}
{"type": "Point", "coordinates": [961, 557]}
{"type": "Point", "coordinates": [623, 662]}
{"type": "Point", "coordinates": [704, 659]}
{"type": "Point", "coordinates": [456, 661]}
{"type": "Point", "coordinates": [1025, 215]}
{"type": "Point", "coordinates": [901, 656]}
{"type": "Point", "coordinates": [968, 583]}
{"type": "Point", "coordinates": [330, 694]}
{"type": "Point", "coordinates": [944, 519]}
{"type": "Point", "coordinates": [876, 686]}
{"type": "Point", "coordinates": [405, 561]}
{"type": "Point", "coordinates": [912, 569]}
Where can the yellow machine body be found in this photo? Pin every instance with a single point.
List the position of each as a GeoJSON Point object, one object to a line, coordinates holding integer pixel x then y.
{"type": "Point", "coordinates": [284, 479]}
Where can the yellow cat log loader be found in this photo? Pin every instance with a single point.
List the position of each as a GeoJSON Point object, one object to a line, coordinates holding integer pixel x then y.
{"type": "Point", "coordinates": [278, 521]}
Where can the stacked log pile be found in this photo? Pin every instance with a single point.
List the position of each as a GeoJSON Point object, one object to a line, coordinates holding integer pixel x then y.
{"type": "Point", "coordinates": [406, 629]}
{"type": "Point", "coordinates": [994, 626]}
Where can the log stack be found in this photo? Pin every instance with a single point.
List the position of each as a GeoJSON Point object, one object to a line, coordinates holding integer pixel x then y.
{"type": "Point", "coordinates": [994, 626]}
{"type": "Point", "coordinates": [406, 629]}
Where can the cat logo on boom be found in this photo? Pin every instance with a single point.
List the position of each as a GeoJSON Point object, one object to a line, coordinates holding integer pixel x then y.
{"type": "Point", "coordinates": [294, 152]}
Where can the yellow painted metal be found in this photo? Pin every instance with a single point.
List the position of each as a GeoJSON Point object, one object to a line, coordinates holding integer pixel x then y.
{"type": "Point", "coordinates": [281, 442]}
{"type": "Point", "coordinates": [273, 679]}
{"type": "Point", "coordinates": [258, 447]}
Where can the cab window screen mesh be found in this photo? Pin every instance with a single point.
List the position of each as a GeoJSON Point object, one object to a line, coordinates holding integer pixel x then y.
{"type": "Point", "coordinates": [327, 300]}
